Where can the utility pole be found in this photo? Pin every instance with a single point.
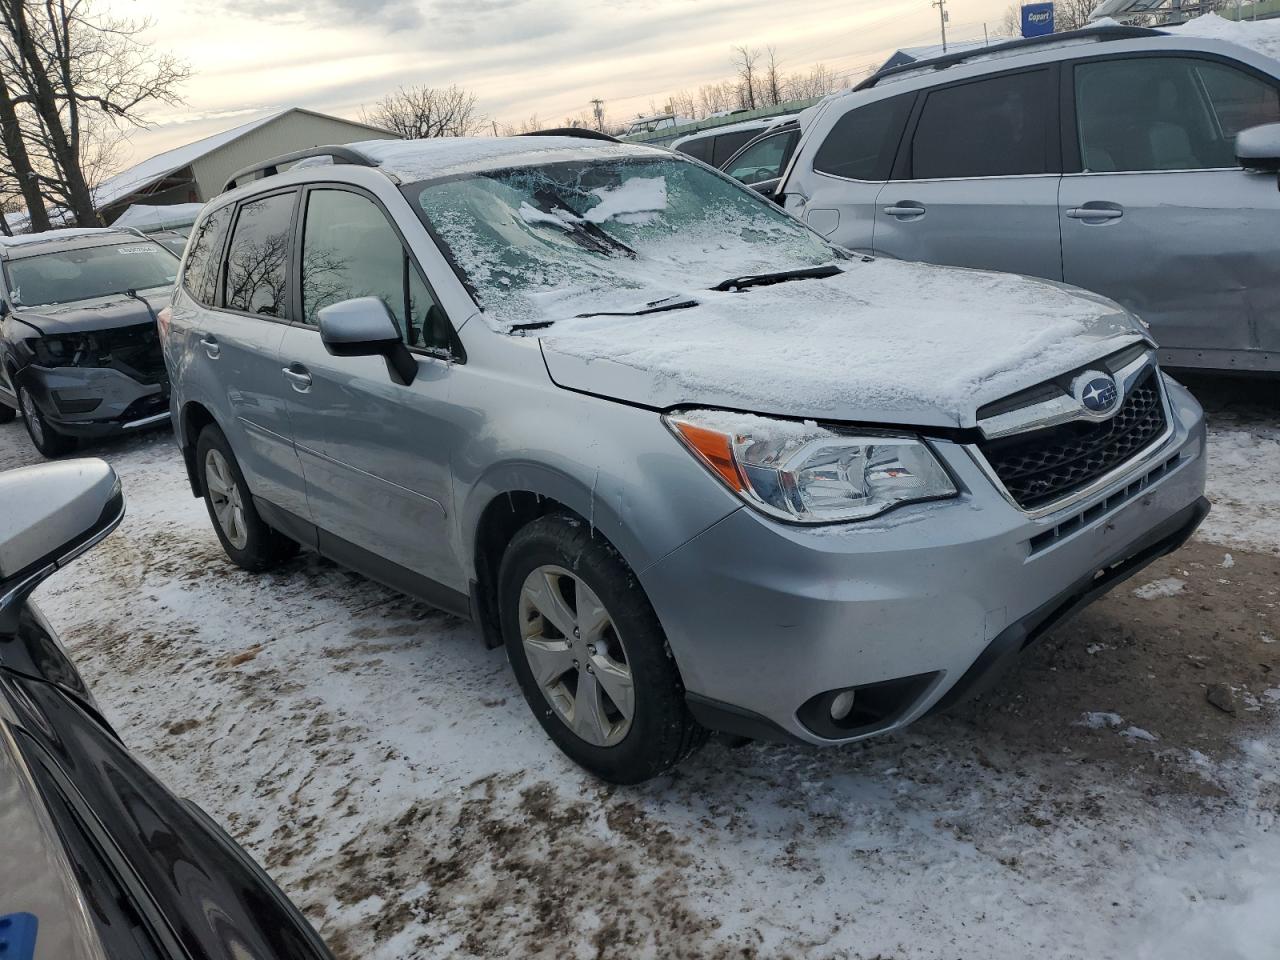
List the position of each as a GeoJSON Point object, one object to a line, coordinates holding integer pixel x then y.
{"type": "Point", "coordinates": [942, 20]}
{"type": "Point", "coordinates": [597, 107]}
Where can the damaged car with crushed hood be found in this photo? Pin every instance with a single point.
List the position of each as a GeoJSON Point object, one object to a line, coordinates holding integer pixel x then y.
{"type": "Point", "coordinates": [692, 465]}
{"type": "Point", "coordinates": [79, 350]}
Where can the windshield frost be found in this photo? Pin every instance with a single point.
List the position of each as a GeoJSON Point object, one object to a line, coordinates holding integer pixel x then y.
{"type": "Point", "coordinates": [71, 275]}
{"type": "Point", "coordinates": [542, 243]}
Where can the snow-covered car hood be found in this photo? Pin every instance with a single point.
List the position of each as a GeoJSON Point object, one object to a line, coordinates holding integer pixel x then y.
{"type": "Point", "coordinates": [884, 342]}
{"type": "Point", "coordinates": [87, 316]}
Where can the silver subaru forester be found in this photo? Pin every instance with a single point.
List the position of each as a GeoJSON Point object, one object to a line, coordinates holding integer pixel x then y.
{"type": "Point", "coordinates": [695, 467]}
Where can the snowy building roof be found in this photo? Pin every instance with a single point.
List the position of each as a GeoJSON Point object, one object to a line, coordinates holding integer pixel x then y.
{"type": "Point", "coordinates": [156, 168]}
{"type": "Point", "coordinates": [913, 54]}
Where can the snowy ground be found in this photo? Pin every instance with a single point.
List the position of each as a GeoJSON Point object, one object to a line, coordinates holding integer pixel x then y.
{"type": "Point", "coordinates": [383, 766]}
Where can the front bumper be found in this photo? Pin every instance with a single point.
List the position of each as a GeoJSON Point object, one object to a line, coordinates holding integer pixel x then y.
{"type": "Point", "coordinates": [764, 619]}
{"type": "Point", "coordinates": [94, 401]}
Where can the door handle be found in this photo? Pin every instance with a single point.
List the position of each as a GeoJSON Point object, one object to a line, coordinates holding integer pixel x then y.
{"type": "Point", "coordinates": [906, 210]}
{"type": "Point", "coordinates": [1096, 214]}
{"type": "Point", "coordinates": [211, 347]}
{"type": "Point", "coordinates": [298, 378]}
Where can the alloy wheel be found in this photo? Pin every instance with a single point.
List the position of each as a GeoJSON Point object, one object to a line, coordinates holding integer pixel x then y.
{"type": "Point", "coordinates": [224, 497]}
{"type": "Point", "coordinates": [576, 655]}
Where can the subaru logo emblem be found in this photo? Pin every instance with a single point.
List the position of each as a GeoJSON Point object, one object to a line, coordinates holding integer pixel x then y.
{"type": "Point", "coordinates": [1096, 393]}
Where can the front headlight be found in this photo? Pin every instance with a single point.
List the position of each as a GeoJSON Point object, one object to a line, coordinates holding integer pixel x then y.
{"type": "Point", "coordinates": [807, 474]}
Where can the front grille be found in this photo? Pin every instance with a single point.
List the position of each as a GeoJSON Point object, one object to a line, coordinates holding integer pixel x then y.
{"type": "Point", "coordinates": [1042, 466]}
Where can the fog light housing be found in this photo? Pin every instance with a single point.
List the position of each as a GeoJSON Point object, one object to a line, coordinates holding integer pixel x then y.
{"type": "Point", "coordinates": [856, 711]}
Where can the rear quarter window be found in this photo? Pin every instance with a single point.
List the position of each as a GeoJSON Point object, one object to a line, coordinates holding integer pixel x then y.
{"type": "Point", "coordinates": [699, 149]}
{"type": "Point", "coordinates": [862, 144]}
{"type": "Point", "coordinates": [200, 272]}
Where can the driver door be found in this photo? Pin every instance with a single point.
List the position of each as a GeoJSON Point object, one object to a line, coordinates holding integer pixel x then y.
{"type": "Point", "coordinates": [375, 454]}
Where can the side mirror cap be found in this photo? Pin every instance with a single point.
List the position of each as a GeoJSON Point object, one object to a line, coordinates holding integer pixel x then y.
{"type": "Point", "coordinates": [52, 513]}
{"type": "Point", "coordinates": [364, 327]}
{"type": "Point", "coordinates": [1258, 148]}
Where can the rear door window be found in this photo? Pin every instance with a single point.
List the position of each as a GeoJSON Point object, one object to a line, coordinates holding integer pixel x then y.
{"type": "Point", "coordinates": [1166, 113]}
{"type": "Point", "coordinates": [988, 128]}
{"type": "Point", "coordinates": [727, 144]}
{"type": "Point", "coordinates": [200, 274]}
{"type": "Point", "coordinates": [862, 144]}
{"type": "Point", "coordinates": [699, 149]}
{"type": "Point", "coordinates": [257, 260]}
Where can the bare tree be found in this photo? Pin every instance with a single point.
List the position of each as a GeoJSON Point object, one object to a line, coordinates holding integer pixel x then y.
{"type": "Point", "coordinates": [16, 166]}
{"type": "Point", "coordinates": [772, 81]}
{"type": "Point", "coordinates": [419, 112]}
{"type": "Point", "coordinates": [67, 68]}
{"type": "Point", "coordinates": [744, 59]}
{"type": "Point", "coordinates": [1011, 22]}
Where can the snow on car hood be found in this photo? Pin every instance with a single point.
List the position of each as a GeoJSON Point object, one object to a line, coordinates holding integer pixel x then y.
{"type": "Point", "coordinates": [884, 342]}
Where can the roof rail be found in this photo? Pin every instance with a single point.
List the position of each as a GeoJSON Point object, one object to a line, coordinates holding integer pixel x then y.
{"type": "Point", "coordinates": [585, 133]}
{"type": "Point", "coordinates": [269, 168]}
{"type": "Point", "coordinates": [1099, 34]}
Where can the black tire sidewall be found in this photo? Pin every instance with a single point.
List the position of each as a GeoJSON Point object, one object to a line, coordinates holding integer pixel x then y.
{"type": "Point", "coordinates": [264, 547]}
{"type": "Point", "coordinates": [55, 444]}
{"type": "Point", "coordinates": [662, 730]}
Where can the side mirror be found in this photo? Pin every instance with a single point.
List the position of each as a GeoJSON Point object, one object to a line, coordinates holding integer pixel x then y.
{"type": "Point", "coordinates": [1258, 148]}
{"type": "Point", "coordinates": [364, 327]}
{"type": "Point", "coordinates": [52, 513]}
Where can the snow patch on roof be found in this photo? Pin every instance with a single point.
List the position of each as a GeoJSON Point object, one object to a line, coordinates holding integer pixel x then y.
{"type": "Point", "coordinates": [69, 233]}
{"type": "Point", "coordinates": [1262, 36]}
{"type": "Point", "coordinates": [159, 217]}
{"type": "Point", "coordinates": [411, 160]}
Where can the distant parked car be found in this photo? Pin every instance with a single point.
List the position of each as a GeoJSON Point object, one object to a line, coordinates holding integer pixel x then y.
{"type": "Point", "coordinates": [100, 859]}
{"type": "Point", "coordinates": [79, 351]}
{"type": "Point", "coordinates": [655, 123]}
{"type": "Point", "coordinates": [1135, 163]}
{"type": "Point", "coordinates": [693, 465]}
{"type": "Point", "coordinates": [760, 163]}
{"type": "Point", "coordinates": [715, 145]}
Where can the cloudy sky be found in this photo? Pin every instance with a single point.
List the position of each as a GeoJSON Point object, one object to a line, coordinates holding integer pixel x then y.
{"type": "Point", "coordinates": [521, 57]}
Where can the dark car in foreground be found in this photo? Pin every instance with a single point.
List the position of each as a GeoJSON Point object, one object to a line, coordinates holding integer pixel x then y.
{"type": "Point", "coordinates": [79, 351]}
{"type": "Point", "coordinates": [97, 858]}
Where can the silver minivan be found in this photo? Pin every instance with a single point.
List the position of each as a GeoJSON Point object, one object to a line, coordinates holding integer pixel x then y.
{"type": "Point", "coordinates": [694, 466]}
{"type": "Point", "coordinates": [1132, 162]}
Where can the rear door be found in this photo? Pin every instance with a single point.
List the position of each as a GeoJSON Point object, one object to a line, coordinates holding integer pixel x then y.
{"type": "Point", "coordinates": [1155, 212]}
{"type": "Point", "coordinates": [375, 454]}
{"type": "Point", "coordinates": [976, 184]}
{"type": "Point", "coordinates": [228, 321]}
{"type": "Point", "coordinates": [837, 194]}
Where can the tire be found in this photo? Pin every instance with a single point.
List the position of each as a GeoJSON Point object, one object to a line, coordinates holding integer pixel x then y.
{"type": "Point", "coordinates": [48, 441]}
{"type": "Point", "coordinates": [610, 631]}
{"type": "Point", "coordinates": [7, 414]}
{"type": "Point", "coordinates": [248, 541]}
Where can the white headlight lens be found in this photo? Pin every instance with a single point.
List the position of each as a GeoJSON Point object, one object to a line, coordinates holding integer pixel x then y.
{"type": "Point", "coordinates": [803, 472]}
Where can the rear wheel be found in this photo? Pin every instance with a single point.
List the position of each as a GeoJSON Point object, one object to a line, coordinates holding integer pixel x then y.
{"type": "Point", "coordinates": [47, 440]}
{"type": "Point", "coordinates": [248, 541]}
{"type": "Point", "coordinates": [590, 654]}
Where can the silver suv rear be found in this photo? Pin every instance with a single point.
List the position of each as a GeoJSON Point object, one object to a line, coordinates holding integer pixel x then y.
{"type": "Point", "coordinates": [1107, 159]}
{"type": "Point", "coordinates": [694, 467]}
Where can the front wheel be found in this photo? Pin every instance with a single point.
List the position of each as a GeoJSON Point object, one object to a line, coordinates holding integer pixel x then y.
{"type": "Point", "coordinates": [590, 654]}
{"type": "Point", "coordinates": [247, 540]}
{"type": "Point", "coordinates": [47, 440]}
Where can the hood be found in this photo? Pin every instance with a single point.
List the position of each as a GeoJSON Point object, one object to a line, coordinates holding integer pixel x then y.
{"type": "Point", "coordinates": [87, 316]}
{"type": "Point", "coordinates": [884, 342]}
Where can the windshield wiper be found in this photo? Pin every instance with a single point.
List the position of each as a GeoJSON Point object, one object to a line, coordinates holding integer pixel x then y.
{"type": "Point", "coordinates": [782, 276]}
{"type": "Point", "coordinates": [583, 232]}
{"type": "Point", "coordinates": [657, 306]}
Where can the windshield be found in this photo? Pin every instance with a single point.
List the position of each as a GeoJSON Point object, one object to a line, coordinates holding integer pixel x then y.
{"type": "Point", "coordinates": [70, 275]}
{"type": "Point", "coordinates": [547, 242]}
